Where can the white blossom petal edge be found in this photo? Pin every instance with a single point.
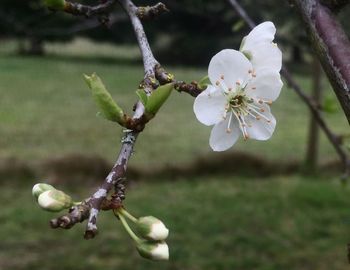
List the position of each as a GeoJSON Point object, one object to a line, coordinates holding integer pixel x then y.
{"type": "Point", "coordinates": [244, 84]}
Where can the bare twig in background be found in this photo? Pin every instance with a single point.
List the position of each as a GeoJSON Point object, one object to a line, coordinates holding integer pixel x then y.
{"type": "Point", "coordinates": [335, 5]}
{"type": "Point", "coordinates": [333, 138]}
{"type": "Point", "coordinates": [89, 11]}
{"type": "Point", "coordinates": [331, 45]}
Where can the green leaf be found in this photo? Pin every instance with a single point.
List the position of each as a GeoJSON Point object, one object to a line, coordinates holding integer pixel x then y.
{"type": "Point", "coordinates": [158, 97]}
{"type": "Point", "coordinates": [329, 105]}
{"type": "Point", "coordinates": [103, 99]}
{"type": "Point", "coordinates": [55, 4]}
{"type": "Point", "coordinates": [142, 96]}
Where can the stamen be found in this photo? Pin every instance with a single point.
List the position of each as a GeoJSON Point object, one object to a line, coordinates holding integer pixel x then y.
{"type": "Point", "coordinates": [246, 135]}
{"type": "Point", "coordinates": [241, 124]}
{"type": "Point", "coordinates": [223, 86]}
{"type": "Point", "coordinates": [261, 101]}
{"type": "Point", "coordinates": [222, 77]}
{"type": "Point", "coordinates": [259, 115]}
{"type": "Point", "coordinates": [217, 83]}
{"type": "Point", "coordinates": [228, 130]}
{"type": "Point", "coordinates": [238, 83]}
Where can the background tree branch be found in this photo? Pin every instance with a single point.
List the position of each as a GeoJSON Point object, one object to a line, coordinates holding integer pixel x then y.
{"type": "Point", "coordinates": [331, 45]}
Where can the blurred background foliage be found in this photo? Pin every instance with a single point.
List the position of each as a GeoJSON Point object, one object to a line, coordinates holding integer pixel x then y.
{"type": "Point", "coordinates": [257, 206]}
{"type": "Point", "coordinates": [197, 29]}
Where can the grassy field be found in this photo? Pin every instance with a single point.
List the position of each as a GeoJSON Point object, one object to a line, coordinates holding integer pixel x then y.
{"type": "Point", "coordinates": [222, 222]}
{"type": "Point", "coordinates": [47, 111]}
{"type": "Point", "coordinates": [281, 223]}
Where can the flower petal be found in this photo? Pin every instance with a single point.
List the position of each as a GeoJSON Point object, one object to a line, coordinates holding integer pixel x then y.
{"type": "Point", "coordinates": [229, 67]}
{"type": "Point", "coordinates": [266, 85]}
{"type": "Point", "coordinates": [220, 138]}
{"type": "Point", "coordinates": [265, 56]}
{"type": "Point", "coordinates": [263, 128]}
{"type": "Point", "coordinates": [262, 33]}
{"type": "Point", "coordinates": [209, 106]}
{"type": "Point", "coordinates": [259, 46]}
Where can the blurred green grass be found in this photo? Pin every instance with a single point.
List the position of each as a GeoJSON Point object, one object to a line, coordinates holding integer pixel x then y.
{"type": "Point", "coordinates": [283, 223]}
{"type": "Point", "coordinates": [47, 111]}
{"type": "Point", "coordinates": [222, 222]}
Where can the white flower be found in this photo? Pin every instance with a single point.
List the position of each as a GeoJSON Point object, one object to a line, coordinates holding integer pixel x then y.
{"type": "Point", "coordinates": [152, 228]}
{"type": "Point", "coordinates": [158, 251]}
{"type": "Point", "coordinates": [54, 200]}
{"type": "Point", "coordinates": [40, 188]}
{"type": "Point", "coordinates": [242, 90]}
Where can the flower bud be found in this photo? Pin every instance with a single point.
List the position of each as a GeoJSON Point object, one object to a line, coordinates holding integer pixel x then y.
{"type": "Point", "coordinates": [55, 4]}
{"type": "Point", "coordinates": [152, 228]}
{"type": "Point", "coordinates": [157, 251]}
{"type": "Point", "coordinates": [54, 200]}
{"type": "Point", "coordinates": [40, 188]}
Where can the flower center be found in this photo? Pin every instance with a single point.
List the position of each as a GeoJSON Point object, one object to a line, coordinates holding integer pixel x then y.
{"type": "Point", "coordinates": [237, 100]}
{"type": "Point", "coordinates": [239, 105]}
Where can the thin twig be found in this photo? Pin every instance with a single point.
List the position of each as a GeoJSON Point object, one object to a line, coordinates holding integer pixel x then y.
{"type": "Point", "coordinates": [93, 205]}
{"type": "Point", "coordinates": [149, 62]}
{"type": "Point", "coordinates": [88, 11]}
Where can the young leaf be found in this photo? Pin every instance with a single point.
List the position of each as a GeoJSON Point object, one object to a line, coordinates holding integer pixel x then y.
{"type": "Point", "coordinates": [142, 96]}
{"type": "Point", "coordinates": [158, 97]}
{"type": "Point", "coordinates": [108, 108]}
{"type": "Point", "coordinates": [329, 105]}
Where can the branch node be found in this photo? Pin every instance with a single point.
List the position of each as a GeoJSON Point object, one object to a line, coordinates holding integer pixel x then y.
{"type": "Point", "coordinates": [150, 12]}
